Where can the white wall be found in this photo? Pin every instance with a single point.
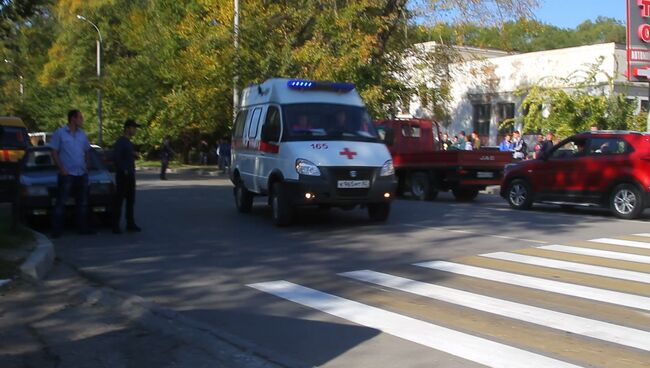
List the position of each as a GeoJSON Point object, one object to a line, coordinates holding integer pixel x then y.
{"type": "Point", "coordinates": [496, 79]}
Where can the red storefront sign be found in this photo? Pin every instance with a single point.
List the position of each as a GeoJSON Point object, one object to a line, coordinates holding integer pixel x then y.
{"type": "Point", "coordinates": [638, 40]}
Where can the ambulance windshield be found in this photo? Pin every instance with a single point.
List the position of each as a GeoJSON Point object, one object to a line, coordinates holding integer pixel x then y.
{"type": "Point", "coordinates": [321, 121]}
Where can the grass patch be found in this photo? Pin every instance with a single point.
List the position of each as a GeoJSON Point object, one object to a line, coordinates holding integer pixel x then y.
{"type": "Point", "coordinates": [149, 164]}
{"type": "Point", "coordinates": [7, 269]}
{"type": "Point", "coordinates": [10, 238]}
{"type": "Point", "coordinates": [11, 243]}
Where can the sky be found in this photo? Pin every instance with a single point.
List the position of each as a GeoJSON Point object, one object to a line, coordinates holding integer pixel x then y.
{"type": "Point", "coordinates": [570, 13]}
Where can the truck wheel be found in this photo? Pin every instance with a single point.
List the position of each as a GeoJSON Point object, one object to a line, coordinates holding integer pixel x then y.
{"type": "Point", "coordinates": [243, 198]}
{"type": "Point", "coordinates": [281, 210]}
{"type": "Point", "coordinates": [465, 194]}
{"type": "Point", "coordinates": [378, 211]}
{"type": "Point", "coordinates": [519, 195]}
{"type": "Point", "coordinates": [421, 187]}
{"type": "Point", "coordinates": [626, 201]}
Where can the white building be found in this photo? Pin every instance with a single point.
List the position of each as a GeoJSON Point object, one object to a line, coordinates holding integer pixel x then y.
{"type": "Point", "coordinates": [485, 82]}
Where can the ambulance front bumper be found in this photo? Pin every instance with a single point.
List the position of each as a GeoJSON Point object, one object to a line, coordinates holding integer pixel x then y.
{"type": "Point", "coordinates": [342, 186]}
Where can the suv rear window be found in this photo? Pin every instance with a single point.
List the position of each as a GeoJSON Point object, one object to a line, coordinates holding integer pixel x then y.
{"type": "Point", "coordinates": [608, 146]}
{"type": "Point", "coordinates": [13, 137]}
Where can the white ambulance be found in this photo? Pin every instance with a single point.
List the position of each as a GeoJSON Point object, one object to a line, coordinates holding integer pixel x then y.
{"type": "Point", "coordinates": [303, 143]}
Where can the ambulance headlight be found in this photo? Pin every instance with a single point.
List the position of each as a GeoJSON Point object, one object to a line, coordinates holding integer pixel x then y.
{"type": "Point", "coordinates": [387, 169]}
{"type": "Point", "coordinates": [306, 167]}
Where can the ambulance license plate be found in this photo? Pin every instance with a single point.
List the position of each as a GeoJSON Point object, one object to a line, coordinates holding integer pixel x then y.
{"type": "Point", "coordinates": [353, 184]}
{"type": "Point", "coordinates": [484, 175]}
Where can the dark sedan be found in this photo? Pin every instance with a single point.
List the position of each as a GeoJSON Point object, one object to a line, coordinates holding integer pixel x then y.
{"type": "Point", "coordinates": [38, 184]}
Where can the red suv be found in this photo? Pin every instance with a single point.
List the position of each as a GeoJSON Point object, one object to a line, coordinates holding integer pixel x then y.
{"type": "Point", "coordinates": [604, 168]}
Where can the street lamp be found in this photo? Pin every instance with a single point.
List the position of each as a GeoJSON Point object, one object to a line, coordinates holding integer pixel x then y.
{"type": "Point", "coordinates": [99, 77]}
{"type": "Point", "coordinates": [20, 76]}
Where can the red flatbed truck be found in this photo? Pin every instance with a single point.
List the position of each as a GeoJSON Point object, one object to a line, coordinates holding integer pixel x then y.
{"type": "Point", "coordinates": [424, 169]}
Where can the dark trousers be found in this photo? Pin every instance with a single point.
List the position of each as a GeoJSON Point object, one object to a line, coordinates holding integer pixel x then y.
{"type": "Point", "coordinates": [76, 186]}
{"type": "Point", "coordinates": [163, 168]}
{"type": "Point", "coordinates": [125, 189]}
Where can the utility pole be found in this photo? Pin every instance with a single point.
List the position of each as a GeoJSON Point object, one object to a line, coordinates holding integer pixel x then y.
{"type": "Point", "coordinates": [20, 78]}
{"type": "Point", "coordinates": [235, 88]}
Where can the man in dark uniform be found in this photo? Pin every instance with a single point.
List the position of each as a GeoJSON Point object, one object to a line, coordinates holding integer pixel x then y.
{"type": "Point", "coordinates": [124, 158]}
{"type": "Point", "coordinates": [165, 155]}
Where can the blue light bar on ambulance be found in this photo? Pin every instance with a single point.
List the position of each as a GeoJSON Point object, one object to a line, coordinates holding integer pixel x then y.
{"type": "Point", "coordinates": [301, 84]}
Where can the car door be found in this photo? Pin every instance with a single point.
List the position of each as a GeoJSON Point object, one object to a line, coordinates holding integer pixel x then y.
{"type": "Point", "coordinates": [560, 175]}
{"type": "Point", "coordinates": [268, 158]}
{"type": "Point", "coordinates": [608, 160]}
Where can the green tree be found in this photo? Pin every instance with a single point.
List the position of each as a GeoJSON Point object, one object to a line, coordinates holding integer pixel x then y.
{"type": "Point", "coordinates": [576, 103]}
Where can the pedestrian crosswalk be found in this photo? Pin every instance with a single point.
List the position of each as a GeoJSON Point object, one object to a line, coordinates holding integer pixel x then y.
{"type": "Point", "coordinates": [581, 304]}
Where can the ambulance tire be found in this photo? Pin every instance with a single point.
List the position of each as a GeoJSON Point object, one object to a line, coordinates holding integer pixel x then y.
{"type": "Point", "coordinates": [378, 211]}
{"type": "Point", "coordinates": [243, 198]}
{"type": "Point", "coordinates": [281, 210]}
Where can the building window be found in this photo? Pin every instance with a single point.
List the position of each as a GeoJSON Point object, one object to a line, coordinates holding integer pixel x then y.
{"type": "Point", "coordinates": [482, 117]}
{"type": "Point", "coordinates": [505, 111]}
{"type": "Point", "coordinates": [644, 105]}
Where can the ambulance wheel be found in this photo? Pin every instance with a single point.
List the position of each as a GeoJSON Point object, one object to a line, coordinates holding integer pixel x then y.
{"type": "Point", "coordinates": [281, 210]}
{"type": "Point", "coordinates": [378, 211]}
{"type": "Point", "coordinates": [243, 198]}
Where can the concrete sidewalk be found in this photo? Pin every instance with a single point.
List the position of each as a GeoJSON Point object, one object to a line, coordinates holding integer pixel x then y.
{"type": "Point", "coordinates": [65, 321]}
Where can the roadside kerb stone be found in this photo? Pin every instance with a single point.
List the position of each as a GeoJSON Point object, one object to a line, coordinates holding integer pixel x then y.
{"type": "Point", "coordinates": [192, 170]}
{"type": "Point", "coordinates": [40, 260]}
{"type": "Point", "coordinates": [230, 350]}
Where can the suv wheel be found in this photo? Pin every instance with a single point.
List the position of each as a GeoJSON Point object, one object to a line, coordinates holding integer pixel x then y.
{"type": "Point", "coordinates": [281, 210]}
{"type": "Point", "coordinates": [626, 201]}
{"type": "Point", "coordinates": [519, 195]}
{"type": "Point", "coordinates": [421, 187]}
{"type": "Point", "coordinates": [243, 198]}
{"type": "Point", "coordinates": [378, 211]}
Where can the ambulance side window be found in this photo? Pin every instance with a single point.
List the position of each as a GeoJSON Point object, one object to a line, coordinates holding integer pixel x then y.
{"type": "Point", "coordinates": [239, 124]}
{"type": "Point", "coordinates": [272, 125]}
{"type": "Point", "coordinates": [255, 122]}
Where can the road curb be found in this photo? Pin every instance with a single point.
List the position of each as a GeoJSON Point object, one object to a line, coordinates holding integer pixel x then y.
{"type": "Point", "coordinates": [198, 171]}
{"type": "Point", "coordinates": [231, 350]}
{"type": "Point", "coordinates": [492, 189]}
{"type": "Point", "coordinates": [40, 260]}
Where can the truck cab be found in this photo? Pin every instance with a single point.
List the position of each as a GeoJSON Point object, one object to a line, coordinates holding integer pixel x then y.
{"type": "Point", "coordinates": [309, 143]}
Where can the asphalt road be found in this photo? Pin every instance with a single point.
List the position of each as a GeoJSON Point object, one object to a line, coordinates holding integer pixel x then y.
{"type": "Point", "coordinates": [199, 256]}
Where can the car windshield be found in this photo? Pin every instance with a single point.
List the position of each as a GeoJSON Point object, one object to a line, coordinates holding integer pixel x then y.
{"type": "Point", "coordinates": [41, 160]}
{"type": "Point", "coordinates": [319, 121]}
{"type": "Point", "coordinates": [13, 137]}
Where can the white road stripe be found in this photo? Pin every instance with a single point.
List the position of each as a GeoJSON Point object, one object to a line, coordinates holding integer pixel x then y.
{"type": "Point", "coordinates": [460, 231]}
{"type": "Point", "coordinates": [548, 318]}
{"type": "Point", "coordinates": [647, 235]}
{"type": "Point", "coordinates": [586, 292]}
{"type": "Point", "coordinates": [626, 243]}
{"type": "Point", "coordinates": [476, 349]}
{"type": "Point", "coordinates": [571, 266]}
{"type": "Point", "coordinates": [598, 253]}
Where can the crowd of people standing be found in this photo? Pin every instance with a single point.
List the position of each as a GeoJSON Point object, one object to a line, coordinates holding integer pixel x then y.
{"type": "Point", "coordinates": [511, 143]}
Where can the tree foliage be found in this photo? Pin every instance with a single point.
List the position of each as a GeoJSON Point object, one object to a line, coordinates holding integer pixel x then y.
{"type": "Point", "coordinates": [576, 103]}
{"type": "Point", "coordinates": [170, 64]}
{"type": "Point", "coordinates": [522, 35]}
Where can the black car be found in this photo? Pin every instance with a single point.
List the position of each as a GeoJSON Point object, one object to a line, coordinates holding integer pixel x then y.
{"type": "Point", "coordinates": [38, 184]}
